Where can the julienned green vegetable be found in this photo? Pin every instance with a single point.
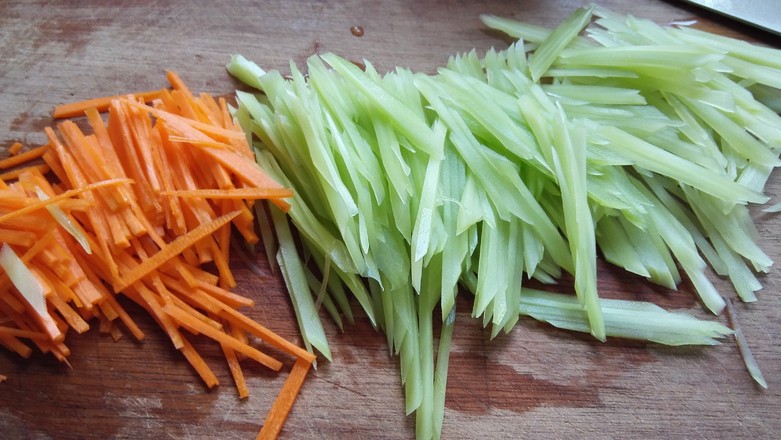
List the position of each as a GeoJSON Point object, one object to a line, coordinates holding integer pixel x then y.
{"type": "Point", "coordinates": [642, 141]}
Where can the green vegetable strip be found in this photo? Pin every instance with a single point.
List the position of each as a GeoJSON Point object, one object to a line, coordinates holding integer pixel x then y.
{"type": "Point", "coordinates": [554, 43]}
{"type": "Point", "coordinates": [570, 163]}
{"type": "Point", "coordinates": [645, 142]}
{"type": "Point", "coordinates": [745, 351]}
{"type": "Point", "coordinates": [596, 94]}
{"type": "Point", "coordinates": [743, 280]}
{"type": "Point", "coordinates": [440, 373]}
{"type": "Point", "coordinates": [508, 192]}
{"type": "Point", "coordinates": [317, 285]}
{"type": "Point", "coordinates": [683, 247]}
{"type": "Point", "coordinates": [421, 233]}
{"type": "Point", "coordinates": [522, 31]}
{"type": "Point", "coordinates": [390, 107]}
{"type": "Point", "coordinates": [736, 137]}
{"type": "Point", "coordinates": [245, 71]}
{"type": "Point", "coordinates": [763, 56]}
{"type": "Point", "coordinates": [655, 258]}
{"type": "Point", "coordinates": [457, 246]}
{"type": "Point", "coordinates": [616, 247]}
{"type": "Point", "coordinates": [290, 264]}
{"type": "Point", "coordinates": [655, 159]}
{"type": "Point", "coordinates": [729, 228]}
{"type": "Point", "coordinates": [625, 319]}
{"type": "Point", "coordinates": [671, 58]}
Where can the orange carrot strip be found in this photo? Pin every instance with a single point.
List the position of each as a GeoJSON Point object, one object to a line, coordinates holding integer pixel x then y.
{"type": "Point", "coordinates": [195, 298]}
{"type": "Point", "coordinates": [225, 296]}
{"type": "Point", "coordinates": [192, 311]}
{"type": "Point", "coordinates": [194, 323]}
{"type": "Point", "coordinates": [62, 289]}
{"type": "Point", "coordinates": [125, 318]}
{"type": "Point", "coordinates": [136, 227]}
{"type": "Point", "coordinates": [285, 399]}
{"type": "Point", "coordinates": [59, 350]}
{"type": "Point", "coordinates": [199, 364]}
{"type": "Point", "coordinates": [238, 193]}
{"type": "Point", "coordinates": [88, 293]}
{"type": "Point", "coordinates": [221, 262]}
{"type": "Point", "coordinates": [71, 317]}
{"type": "Point", "coordinates": [21, 158]}
{"type": "Point", "coordinates": [15, 148]}
{"type": "Point", "coordinates": [66, 195]}
{"type": "Point", "coordinates": [141, 129]}
{"type": "Point", "coordinates": [184, 107]}
{"type": "Point", "coordinates": [223, 243]}
{"type": "Point", "coordinates": [38, 247]}
{"type": "Point", "coordinates": [189, 127]}
{"type": "Point", "coordinates": [176, 220]}
{"type": "Point", "coordinates": [156, 310]}
{"type": "Point", "coordinates": [14, 174]}
{"type": "Point", "coordinates": [236, 372]}
{"type": "Point", "coordinates": [119, 231]}
{"type": "Point", "coordinates": [193, 294]}
{"type": "Point", "coordinates": [173, 249]}
{"type": "Point", "coordinates": [108, 310]}
{"type": "Point", "coordinates": [234, 366]}
{"type": "Point", "coordinates": [17, 238]}
{"type": "Point", "coordinates": [51, 159]}
{"type": "Point", "coordinates": [124, 144]}
{"type": "Point", "coordinates": [115, 332]}
{"type": "Point", "coordinates": [104, 325]}
{"type": "Point", "coordinates": [245, 223]}
{"type": "Point", "coordinates": [16, 345]}
{"type": "Point", "coordinates": [11, 302]}
{"type": "Point", "coordinates": [84, 153]}
{"type": "Point", "coordinates": [108, 152]}
{"type": "Point", "coordinates": [101, 104]}
{"type": "Point", "coordinates": [242, 321]}
{"type": "Point", "coordinates": [202, 142]}
{"type": "Point", "coordinates": [21, 333]}
{"type": "Point", "coordinates": [177, 83]}
{"type": "Point", "coordinates": [210, 109]}
{"type": "Point", "coordinates": [13, 198]}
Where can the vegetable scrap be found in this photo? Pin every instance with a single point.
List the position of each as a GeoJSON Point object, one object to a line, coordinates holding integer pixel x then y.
{"type": "Point", "coordinates": [608, 134]}
{"type": "Point", "coordinates": [136, 209]}
{"type": "Point", "coordinates": [15, 148]}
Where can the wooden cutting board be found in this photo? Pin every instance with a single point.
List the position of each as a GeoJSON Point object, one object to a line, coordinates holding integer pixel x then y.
{"type": "Point", "coordinates": [536, 382]}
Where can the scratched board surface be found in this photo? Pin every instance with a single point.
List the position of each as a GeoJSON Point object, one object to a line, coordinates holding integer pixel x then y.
{"type": "Point", "coordinates": [536, 382]}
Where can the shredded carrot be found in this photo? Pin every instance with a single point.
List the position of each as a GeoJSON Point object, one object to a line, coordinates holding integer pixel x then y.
{"type": "Point", "coordinates": [233, 361]}
{"type": "Point", "coordinates": [284, 402]}
{"type": "Point", "coordinates": [41, 168]}
{"type": "Point", "coordinates": [68, 194]}
{"type": "Point", "coordinates": [101, 104]}
{"type": "Point", "coordinates": [15, 148]}
{"type": "Point", "coordinates": [155, 191]}
{"type": "Point", "coordinates": [233, 194]}
{"type": "Point", "coordinates": [20, 333]}
{"type": "Point", "coordinates": [193, 323]}
{"type": "Point", "coordinates": [173, 249]}
{"type": "Point", "coordinates": [21, 158]}
{"type": "Point", "coordinates": [203, 370]}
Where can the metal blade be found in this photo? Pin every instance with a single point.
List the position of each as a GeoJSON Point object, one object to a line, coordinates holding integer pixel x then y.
{"type": "Point", "coordinates": [764, 14]}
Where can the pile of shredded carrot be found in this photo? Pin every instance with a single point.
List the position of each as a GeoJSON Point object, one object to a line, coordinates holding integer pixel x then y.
{"type": "Point", "coordinates": [136, 208]}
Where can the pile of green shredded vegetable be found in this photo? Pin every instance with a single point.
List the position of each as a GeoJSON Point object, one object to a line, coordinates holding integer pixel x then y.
{"type": "Point", "coordinates": [608, 134]}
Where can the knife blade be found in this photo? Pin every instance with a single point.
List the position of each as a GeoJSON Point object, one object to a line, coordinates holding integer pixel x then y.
{"type": "Point", "coordinates": [763, 14]}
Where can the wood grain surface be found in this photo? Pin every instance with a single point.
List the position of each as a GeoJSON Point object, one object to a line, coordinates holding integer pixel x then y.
{"type": "Point", "coordinates": [536, 382]}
